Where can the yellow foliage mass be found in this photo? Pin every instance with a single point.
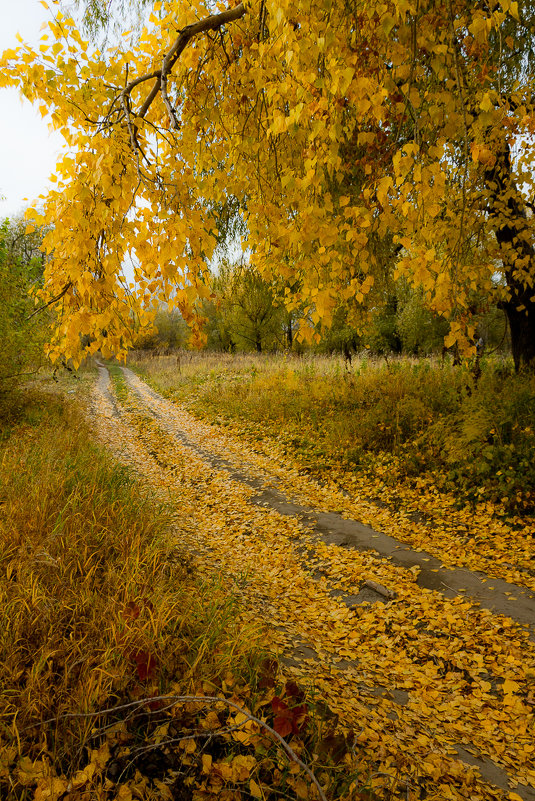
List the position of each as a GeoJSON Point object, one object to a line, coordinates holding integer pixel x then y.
{"type": "Point", "coordinates": [302, 111]}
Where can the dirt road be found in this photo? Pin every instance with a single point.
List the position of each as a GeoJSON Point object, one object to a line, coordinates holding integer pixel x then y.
{"type": "Point", "coordinates": [432, 670]}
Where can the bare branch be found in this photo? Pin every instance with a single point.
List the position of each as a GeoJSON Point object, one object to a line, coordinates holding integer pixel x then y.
{"type": "Point", "coordinates": [198, 699]}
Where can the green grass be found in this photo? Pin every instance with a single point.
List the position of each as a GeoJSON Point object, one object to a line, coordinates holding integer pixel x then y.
{"type": "Point", "coordinates": [120, 386]}
{"type": "Point", "coordinates": [420, 416]}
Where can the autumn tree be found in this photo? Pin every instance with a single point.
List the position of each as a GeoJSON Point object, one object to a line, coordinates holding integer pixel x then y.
{"type": "Point", "coordinates": [338, 128]}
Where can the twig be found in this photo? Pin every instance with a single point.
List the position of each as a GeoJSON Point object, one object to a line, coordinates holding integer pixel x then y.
{"type": "Point", "coordinates": [16, 375]}
{"type": "Point", "coordinates": [163, 87]}
{"type": "Point", "coordinates": [197, 699]}
{"type": "Point", "coordinates": [132, 134]}
{"type": "Point", "coordinates": [211, 23]}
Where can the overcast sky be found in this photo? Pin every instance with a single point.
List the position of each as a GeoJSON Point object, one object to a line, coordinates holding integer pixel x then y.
{"type": "Point", "coordinates": [28, 150]}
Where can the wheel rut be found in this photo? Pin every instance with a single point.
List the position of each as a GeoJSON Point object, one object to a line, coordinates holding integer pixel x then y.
{"type": "Point", "coordinates": [333, 529]}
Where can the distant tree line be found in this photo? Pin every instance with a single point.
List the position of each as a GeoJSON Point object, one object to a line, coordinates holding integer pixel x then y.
{"type": "Point", "coordinates": [246, 313]}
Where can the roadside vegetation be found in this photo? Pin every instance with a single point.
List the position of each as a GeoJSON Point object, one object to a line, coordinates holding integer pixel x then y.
{"type": "Point", "coordinates": [402, 421]}
{"type": "Point", "coordinates": [103, 613]}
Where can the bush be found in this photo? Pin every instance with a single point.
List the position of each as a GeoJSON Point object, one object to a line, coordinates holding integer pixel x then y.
{"type": "Point", "coordinates": [21, 335]}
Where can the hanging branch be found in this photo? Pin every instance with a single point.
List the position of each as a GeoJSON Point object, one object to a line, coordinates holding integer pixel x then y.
{"type": "Point", "coordinates": [50, 302]}
{"type": "Point", "coordinates": [173, 121]}
{"type": "Point", "coordinates": [211, 23]}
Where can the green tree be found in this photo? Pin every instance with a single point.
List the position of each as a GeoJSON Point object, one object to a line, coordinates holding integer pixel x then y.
{"type": "Point", "coordinates": [170, 331]}
{"type": "Point", "coordinates": [22, 331]}
{"type": "Point", "coordinates": [421, 332]}
{"type": "Point", "coordinates": [245, 313]}
{"type": "Point", "coordinates": [341, 336]}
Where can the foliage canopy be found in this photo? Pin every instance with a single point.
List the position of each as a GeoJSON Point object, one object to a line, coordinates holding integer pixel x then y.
{"type": "Point", "coordinates": [358, 139]}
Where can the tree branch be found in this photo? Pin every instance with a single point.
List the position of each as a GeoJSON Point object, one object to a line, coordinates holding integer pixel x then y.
{"type": "Point", "coordinates": [50, 302]}
{"type": "Point", "coordinates": [196, 699]}
{"type": "Point", "coordinates": [17, 375]}
{"type": "Point", "coordinates": [211, 23]}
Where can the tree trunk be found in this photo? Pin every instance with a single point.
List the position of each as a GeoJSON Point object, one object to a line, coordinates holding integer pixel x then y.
{"type": "Point", "coordinates": [522, 328]}
{"type": "Point", "coordinates": [289, 333]}
{"type": "Point", "coordinates": [513, 233]}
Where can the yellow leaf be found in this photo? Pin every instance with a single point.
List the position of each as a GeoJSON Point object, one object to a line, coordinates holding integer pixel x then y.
{"type": "Point", "coordinates": [189, 746]}
{"type": "Point", "coordinates": [510, 686]}
{"type": "Point", "coordinates": [51, 789]}
{"type": "Point", "coordinates": [164, 792]}
{"type": "Point", "coordinates": [486, 104]}
{"type": "Point", "coordinates": [387, 23]}
{"type": "Point", "coordinates": [29, 771]}
{"type": "Point", "coordinates": [224, 770]}
{"type": "Point", "coordinates": [124, 794]}
{"type": "Point", "coordinates": [83, 776]}
{"type": "Point", "coordinates": [242, 767]}
{"type": "Point", "coordinates": [255, 790]}
{"type": "Point", "coordinates": [206, 763]}
{"type": "Point", "coordinates": [211, 721]}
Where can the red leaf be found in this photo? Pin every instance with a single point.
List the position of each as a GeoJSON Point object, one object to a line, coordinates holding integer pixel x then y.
{"type": "Point", "coordinates": [290, 720]}
{"type": "Point", "coordinates": [283, 725]}
{"type": "Point", "coordinates": [131, 611]}
{"type": "Point", "coordinates": [278, 705]}
{"type": "Point", "coordinates": [300, 718]}
{"type": "Point", "coordinates": [268, 673]}
{"type": "Point", "coordinates": [155, 705]}
{"type": "Point", "coordinates": [293, 691]}
{"type": "Point", "coordinates": [145, 663]}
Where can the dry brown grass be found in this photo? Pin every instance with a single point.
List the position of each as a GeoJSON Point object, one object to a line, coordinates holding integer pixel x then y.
{"type": "Point", "coordinates": [96, 608]}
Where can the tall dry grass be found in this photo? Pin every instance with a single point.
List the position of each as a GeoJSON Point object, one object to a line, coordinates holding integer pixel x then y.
{"type": "Point", "coordinates": [96, 605]}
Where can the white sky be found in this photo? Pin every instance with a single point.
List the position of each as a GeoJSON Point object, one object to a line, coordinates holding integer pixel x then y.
{"type": "Point", "coordinates": [28, 150]}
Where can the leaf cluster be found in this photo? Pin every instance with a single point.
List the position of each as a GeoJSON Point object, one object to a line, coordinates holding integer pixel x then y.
{"type": "Point", "coordinates": [347, 145]}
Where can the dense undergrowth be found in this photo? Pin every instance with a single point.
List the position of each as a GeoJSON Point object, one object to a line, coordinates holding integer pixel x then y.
{"type": "Point", "coordinates": [98, 610]}
{"type": "Point", "coordinates": [400, 420]}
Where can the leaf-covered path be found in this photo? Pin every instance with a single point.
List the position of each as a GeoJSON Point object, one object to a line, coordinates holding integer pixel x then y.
{"type": "Point", "coordinates": [439, 690]}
